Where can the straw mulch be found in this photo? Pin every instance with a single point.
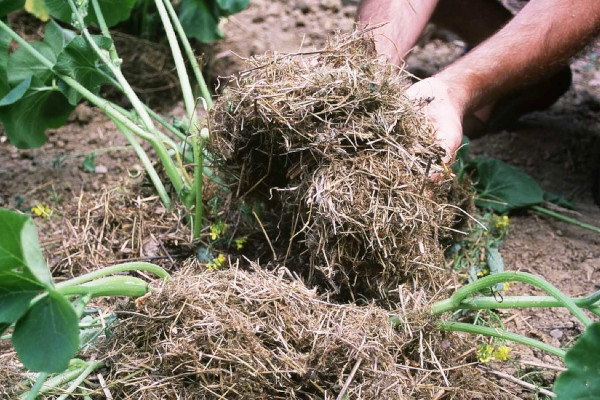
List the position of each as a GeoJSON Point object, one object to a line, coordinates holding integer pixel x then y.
{"type": "Point", "coordinates": [257, 335]}
{"type": "Point", "coordinates": [331, 135]}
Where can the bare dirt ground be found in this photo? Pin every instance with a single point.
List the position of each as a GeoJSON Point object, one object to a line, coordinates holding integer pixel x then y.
{"type": "Point", "coordinates": [556, 146]}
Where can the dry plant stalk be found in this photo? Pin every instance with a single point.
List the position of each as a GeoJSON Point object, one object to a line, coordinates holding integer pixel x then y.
{"type": "Point", "coordinates": [333, 133]}
{"type": "Point", "coordinates": [259, 335]}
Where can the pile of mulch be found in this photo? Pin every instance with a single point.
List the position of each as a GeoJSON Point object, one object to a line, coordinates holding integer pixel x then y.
{"type": "Point", "coordinates": [332, 137]}
{"type": "Point", "coordinates": [255, 334]}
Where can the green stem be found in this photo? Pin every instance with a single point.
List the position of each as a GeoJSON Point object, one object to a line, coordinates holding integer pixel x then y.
{"type": "Point", "coordinates": [564, 218]}
{"type": "Point", "coordinates": [491, 280]}
{"type": "Point", "coordinates": [114, 56]}
{"type": "Point", "coordinates": [190, 54]}
{"type": "Point", "coordinates": [108, 286]}
{"type": "Point", "coordinates": [32, 394]}
{"type": "Point", "coordinates": [125, 267]}
{"type": "Point", "coordinates": [184, 81]}
{"type": "Point", "coordinates": [513, 337]}
{"type": "Point", "coordinates": [486, 303]}
{"type": "Point", "coordinates": [92, 366]}
{"type": "Point", "coordinates": [145, 160]}
{"type": "Point", "coordinates": [170, 167]}
{"type": "Point", "coordinates": [198, 184]}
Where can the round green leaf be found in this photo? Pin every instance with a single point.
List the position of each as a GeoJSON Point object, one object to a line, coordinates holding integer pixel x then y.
{"type": "Point", "coordinates": [200, 20]}
{"type": "Point", "coordinates": [581, 380]}
{"type": "Point", "coordinates": [47, 337]}
{"type": "Point", "coordinates": [16, 93]}
{"type": "Point", "coordinates": [503, 187]}
{"type": "Point", "coordinates": [16, 291]}
{"type": "Point", "coordinates": [20, 247]}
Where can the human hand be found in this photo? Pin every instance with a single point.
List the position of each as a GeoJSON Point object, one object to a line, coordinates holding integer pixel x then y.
{"type": "Point", "coordinates": [443, 111]}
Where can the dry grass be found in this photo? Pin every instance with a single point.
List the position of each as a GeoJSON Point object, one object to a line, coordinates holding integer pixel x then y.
{"type": "Point", "coordinates": [257, 335]}
{"type": "Point", "coordinates": [333, 136]}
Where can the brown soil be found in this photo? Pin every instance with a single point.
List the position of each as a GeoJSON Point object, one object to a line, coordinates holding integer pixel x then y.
{"type": "Point", "coordinates": [555, 146]}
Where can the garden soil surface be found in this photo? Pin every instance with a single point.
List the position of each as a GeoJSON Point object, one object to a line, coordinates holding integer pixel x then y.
{"type": "Point", "coordinates": [559, 147]}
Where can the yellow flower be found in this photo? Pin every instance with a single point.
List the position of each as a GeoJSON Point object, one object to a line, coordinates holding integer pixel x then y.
{"type": "Point", "coordinates": [217, 229]}
{"type": "Point", "coordinates": [502, 353]}
{"type": "Point", "coordinates": [506, 286]}
{"type": "Point", "coordinates": [502, 222]}
{"type": "Point", "coordinates": [240, 242]}
{"type": "Point", "coordinates": [485, 353]}
{"type": "Point", "coordinates": [42, 210]}
{"type": "Point", "coordinates": [216, 263]}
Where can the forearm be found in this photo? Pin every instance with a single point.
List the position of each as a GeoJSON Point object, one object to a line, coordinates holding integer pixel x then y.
{"type": "Point", "coordinates": [534, 44]}
{"type": "Point", "coordinates": [404, 21]}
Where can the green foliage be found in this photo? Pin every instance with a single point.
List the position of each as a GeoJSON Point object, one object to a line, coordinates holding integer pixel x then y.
{"type": "Point", "coordinates": [32, 100]}
{"type": "Point", "coordinates": [200, 18]}
{"type": "Point", "coordinates": [20, 251]}
{"type": "Point", "coordinates": [582, 378]}
{"type": "Point", "coordinates": [114, 11]}
{"type": "Point", "coordinates": [502, 187]}
{"type": "Point", "coordinates": [53, 322]}
{"type": "Point", "coordinates": [89, 162]}
{"type": "Point", "coordinates": [7, 6]}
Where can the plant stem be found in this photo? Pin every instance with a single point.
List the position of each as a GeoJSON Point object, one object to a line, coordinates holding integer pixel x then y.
{"type": "Point", "coordinates": [486, 303]}
{"type": "Point", "coordinates": [513, 337]}
{"type": "Point", "coordinates": [145, 160]}
{"type": "Point", "coordinates": [198, 184]}
{"type": "Point", "coordinates": [35, 389]}
{"type": "Point", "coordinates": [119, 285]}
{"type": "Point", "coordinates": [184, 81]}
{"type": "Point", "coordinates": [524, 277]}
{"type": "Point", "coordinates": [114, 56]}
{"type": "Point", "coordinates": [564, 218]}
{"type": "Point", "coordinates": [91, 367]}
{"type": "Point", "coordinates": [190, 54]}
{"type": "Point", "coordinates": [125, 267]}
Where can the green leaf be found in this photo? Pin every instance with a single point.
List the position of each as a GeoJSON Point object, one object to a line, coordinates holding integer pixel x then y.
{"type": "Point", "coordinates": [4, 49]}
{"type": "Point", "coordinates": [581, 380]}
{"type": "Point", "coordinates": [27, 120]}
{"type": "Point", "coordinates": [7, 6]}
{"type": "Point", "coordinates": [228, 7]}
{"type": "Point", "coordinates": [114, 11]}
{"type": "Point", "coordinates": [89, 162]}
{"type": "Point", "coordinates": [495, 263]}
{"type": "Point", "coordinates": [47, 336]}
{"type": "Point", "coordinates": [79, 60]}
{"type": "Point", "coordinates": [200, 20]}
{"type": "Point", "coordinates": [21, 64]}
{"type": "Point", "coordinates": [20, 247]}
{"type": "Point", "coordinates": [559, 199]}
{"type": "Point", "coordinates": [16, 291]}
{"type": "Point", "coordinates": [16, 93]}
{"type": "Point", "coordinates": [57, 37]}
{"type": "Point", "coordinates": [502, 187]}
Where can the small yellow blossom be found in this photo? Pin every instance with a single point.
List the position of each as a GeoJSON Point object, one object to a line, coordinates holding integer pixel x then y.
{"type": "Point", "coordinates": [217, 229]}
{"type": "Point", "coordinates": [485, 353]}
{"type": "Point", "coordinates": [502, 353]}
{"type": "Point", "coordinates": [216, 263]}
{"type": "Point", "coordinates": [42, 210]}
{"type": "Point", "coordinates": [502, 222]}
{"type": "Point", "coordinates": [483, 272]}
{"type": "Point", "coordinates": [506, 286]}
{"type": "Point", "coordinates": [240, 242]}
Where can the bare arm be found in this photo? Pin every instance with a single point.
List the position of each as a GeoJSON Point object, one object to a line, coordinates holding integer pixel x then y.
{"type": "Point", "coordinates": [405, 20]}
{"type": "Point", "coordinates": [534, 44]}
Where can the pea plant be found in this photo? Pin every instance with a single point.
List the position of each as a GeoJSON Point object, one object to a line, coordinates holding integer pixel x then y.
{"type": "Point", "coordinates": [37, 310]}
{"type": "Point", "coordinates": [42, 81]}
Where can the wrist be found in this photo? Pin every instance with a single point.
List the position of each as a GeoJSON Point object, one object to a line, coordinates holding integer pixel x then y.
{"type": "Point", "coordinates": [459, 89]}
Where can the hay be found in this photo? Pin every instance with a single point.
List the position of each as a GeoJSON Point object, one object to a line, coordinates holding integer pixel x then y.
{"type": "Point", "coordinates": [258, 335]}
{"type": "Point", "coordinates": [349, 157]}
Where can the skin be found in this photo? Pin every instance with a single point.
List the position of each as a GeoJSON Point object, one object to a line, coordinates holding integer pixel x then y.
{"type": "Point", "coordinates": [532, 46]}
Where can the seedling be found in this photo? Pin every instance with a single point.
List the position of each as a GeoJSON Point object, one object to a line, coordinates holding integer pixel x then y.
{"type": "Point", "coordinates": [45, 315]}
